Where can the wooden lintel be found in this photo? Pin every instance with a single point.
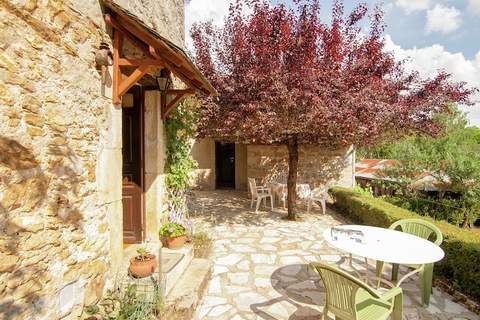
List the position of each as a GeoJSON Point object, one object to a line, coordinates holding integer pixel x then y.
{"type": "Point", "coordinates": [131, 38]}
{"type": "Point", "coordinates": [117, 73]}
{"type": "Point", "coordinates": [133, 78]}
{"type": "Point", "coordinates": [127, 62]}
{"type": "Point", "coordinates": [169, 107]}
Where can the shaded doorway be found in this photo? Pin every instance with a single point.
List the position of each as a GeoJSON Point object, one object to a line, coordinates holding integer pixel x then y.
{"type": "Point", "coordinates": [132, 171]}
{"type": "Point", "coordinates": [225, 165]}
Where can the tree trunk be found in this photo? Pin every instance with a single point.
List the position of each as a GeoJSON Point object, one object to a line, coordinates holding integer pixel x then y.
{"type": "Point", "coordinates": [292, 145]}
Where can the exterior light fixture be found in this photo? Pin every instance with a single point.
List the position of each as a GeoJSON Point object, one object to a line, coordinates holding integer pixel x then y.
{"type": "Point", "coordinates": [164, 81]}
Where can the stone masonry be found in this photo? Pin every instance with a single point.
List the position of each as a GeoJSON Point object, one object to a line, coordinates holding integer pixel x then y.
{"type": "Point", "coordinates": [60, 154]}
{"type": "Point", "coordinates": [315, 165]}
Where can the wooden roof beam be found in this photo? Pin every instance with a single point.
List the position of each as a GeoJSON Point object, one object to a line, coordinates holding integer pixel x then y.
{"type": "Point", "coordinates": [133, 78]}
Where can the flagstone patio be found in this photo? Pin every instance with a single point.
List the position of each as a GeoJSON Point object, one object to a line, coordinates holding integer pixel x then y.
{"type": "Point", "coordinates": [261, 264]}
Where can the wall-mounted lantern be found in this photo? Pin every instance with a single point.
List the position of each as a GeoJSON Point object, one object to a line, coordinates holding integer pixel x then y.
{"type": "Point", "coordinates": [164, 81]}
{"type": "Point", "coordinates": [103, 59]}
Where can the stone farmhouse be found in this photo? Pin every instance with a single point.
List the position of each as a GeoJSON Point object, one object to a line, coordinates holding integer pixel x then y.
{"type": "Point", "coordinates": [228, 165]}
{"type": "Point", "coordinates": [84, 89]}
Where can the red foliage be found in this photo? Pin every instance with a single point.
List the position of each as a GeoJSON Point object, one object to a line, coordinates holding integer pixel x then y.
{"type": "Point", "coordinates": [283, 74]}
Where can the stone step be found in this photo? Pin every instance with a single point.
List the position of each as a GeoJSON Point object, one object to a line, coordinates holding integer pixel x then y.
{"type": "Point", "coordinates": [184, 298]}
{"type": "Point", "coordinates": [173, 265]}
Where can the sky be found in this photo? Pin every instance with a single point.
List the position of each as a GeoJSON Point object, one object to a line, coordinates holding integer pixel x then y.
{"type": "Point", "coordinates": [431, 34]}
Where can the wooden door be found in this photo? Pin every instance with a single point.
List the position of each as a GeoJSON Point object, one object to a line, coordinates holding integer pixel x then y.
{"type": "Point", "coordinates": [225, 165]}
{"type": "Point", "coordinates": [132, 151]}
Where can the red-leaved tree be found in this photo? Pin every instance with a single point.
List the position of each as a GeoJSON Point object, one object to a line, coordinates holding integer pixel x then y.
{"type": "Point", "coordinates": [286, 77]}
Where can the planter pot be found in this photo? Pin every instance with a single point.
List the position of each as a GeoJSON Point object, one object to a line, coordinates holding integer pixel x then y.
{"type": "Point", "coordinates": [176, 242]}
{"type": "Point", "coordinates": [142, 269]}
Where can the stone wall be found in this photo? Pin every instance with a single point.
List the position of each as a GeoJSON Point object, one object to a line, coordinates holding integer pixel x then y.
{"type": "Point", "coordinates": [241, 167]}
{"type": "Point", "coordinates": [316, 167]}
{"type": "Point", "coordinates": [155, 153]}
{"type": "Point", "coordinates": [203, 151]}
{"type": "Point", "coordinates": [167, 17]}
{"type": "Point", "coordinates": [54, 125]}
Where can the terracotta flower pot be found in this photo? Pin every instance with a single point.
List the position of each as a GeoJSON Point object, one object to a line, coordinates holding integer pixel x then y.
{"type": "Point", "coordinates": [142, 269]}
{"type": "Point", "coordinates": [175, 242]}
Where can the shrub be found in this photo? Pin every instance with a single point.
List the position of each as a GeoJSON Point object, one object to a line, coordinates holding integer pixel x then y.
{"type": "Point", "coordinates": [450, 210]}
{"type": "Point", "coordinates": [461, 265]}
{"type": "Point", "coordinates": [202, 244]}
{"type": "Point", "coordinates": [128, 302]}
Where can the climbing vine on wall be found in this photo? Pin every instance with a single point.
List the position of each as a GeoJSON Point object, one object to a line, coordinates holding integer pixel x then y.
{"type": "Point", "coordinates": [180, 128]}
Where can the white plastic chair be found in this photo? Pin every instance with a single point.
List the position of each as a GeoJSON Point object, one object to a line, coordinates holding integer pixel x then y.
{"type": "Point", "coordinates": [319, 195]}
{"type": "Point", "coordinates": [259, 193]}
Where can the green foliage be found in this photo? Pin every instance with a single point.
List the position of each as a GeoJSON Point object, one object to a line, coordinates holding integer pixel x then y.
{"type": "Point", "coordinates": [180, 127]}
{"type": "Point", "coordinates": [461, 265]}
{"type": "Point", "coordinates": [172, 230]}
{"type": "Point", "coordinates": [143, 254]}
{"type": "Point", "coordinates": [202, 244]}
{"type": "Point", "coordinates": [453, 159]}
{"type": "Point", "coordinates": [141, 251]}
{"type": "Point", "coordinates": [440, 209]}
{"type": "Point", "coordinates": [360, 190]}
{"type": "Point", "coordinates": [127, 304]}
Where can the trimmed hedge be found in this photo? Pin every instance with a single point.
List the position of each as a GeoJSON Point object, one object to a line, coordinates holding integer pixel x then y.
{"type": "Point", "coordinates": [461, 265]}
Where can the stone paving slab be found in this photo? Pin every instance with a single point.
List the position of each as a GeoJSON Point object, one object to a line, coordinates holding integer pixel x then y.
{"type": "Point", "coordinates": [261, 265]}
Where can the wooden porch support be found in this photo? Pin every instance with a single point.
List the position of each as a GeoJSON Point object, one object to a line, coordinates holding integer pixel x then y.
{"type": "Point", "coordinates": [120, 85]}
{"type": "Point", "coordinates": [151, 47]}
{"type": "Point", "coordinates": [178, 96]}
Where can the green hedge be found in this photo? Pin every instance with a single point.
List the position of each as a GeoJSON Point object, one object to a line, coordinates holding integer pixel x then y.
{"type": "Point", "coordinates": [461, 265]}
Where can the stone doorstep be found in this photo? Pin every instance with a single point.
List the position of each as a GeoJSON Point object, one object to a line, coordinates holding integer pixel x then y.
{"type": "Point", "coordinates": [184, 298]}
{"type": "Point", "coordinates": [176, 263]}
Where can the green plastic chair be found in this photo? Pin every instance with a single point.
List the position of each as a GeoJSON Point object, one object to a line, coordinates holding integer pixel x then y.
{"type": "Point", "coordinates": [349, 298]}
{"type": "Point", "coordinates": [425, 230]}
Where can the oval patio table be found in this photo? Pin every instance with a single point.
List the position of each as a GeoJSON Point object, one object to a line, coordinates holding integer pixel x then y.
{"type": "Point", "coordinates": [391, 246]}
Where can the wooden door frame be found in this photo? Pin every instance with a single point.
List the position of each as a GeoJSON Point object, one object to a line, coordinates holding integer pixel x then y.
{"type": "Point", "coordinates": [141, 105]}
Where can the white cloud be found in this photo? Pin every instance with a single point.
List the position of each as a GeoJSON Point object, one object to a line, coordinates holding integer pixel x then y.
{"type": "Point", "coordinates": [443, 19]}
{"type": "Point", "coordinates": [410, 6]}
{"type": "Point", "coordinates": [428, 60]}
{"type": "Point", "coordinates": [474, 6]}
{"type": "Point", "coordinates": [203, 11]}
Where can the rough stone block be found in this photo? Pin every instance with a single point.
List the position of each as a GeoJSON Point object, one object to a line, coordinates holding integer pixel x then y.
{"type": "Point", "coordinates": [7, 262]}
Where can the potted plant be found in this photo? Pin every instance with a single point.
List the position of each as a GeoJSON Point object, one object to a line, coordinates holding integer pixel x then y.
{"type": "Point", "coordinates": [173, 235]}
{"type": "Point", "coordinates": [143, 264]}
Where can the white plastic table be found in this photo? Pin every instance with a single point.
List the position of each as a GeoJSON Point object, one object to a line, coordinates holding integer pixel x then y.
{"type": "Point", "coordinates": [386, 245]}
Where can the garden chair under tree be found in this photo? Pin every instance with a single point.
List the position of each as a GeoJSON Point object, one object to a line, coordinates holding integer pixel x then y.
{"type": "Point", "coordinates": [425, 230]}
{"type": "Point", "coordinates": [349, 298]}
{"type": "Point", "coordinates": [318, 195]}
{"type": "Point", "coordinates": [259, 193]}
